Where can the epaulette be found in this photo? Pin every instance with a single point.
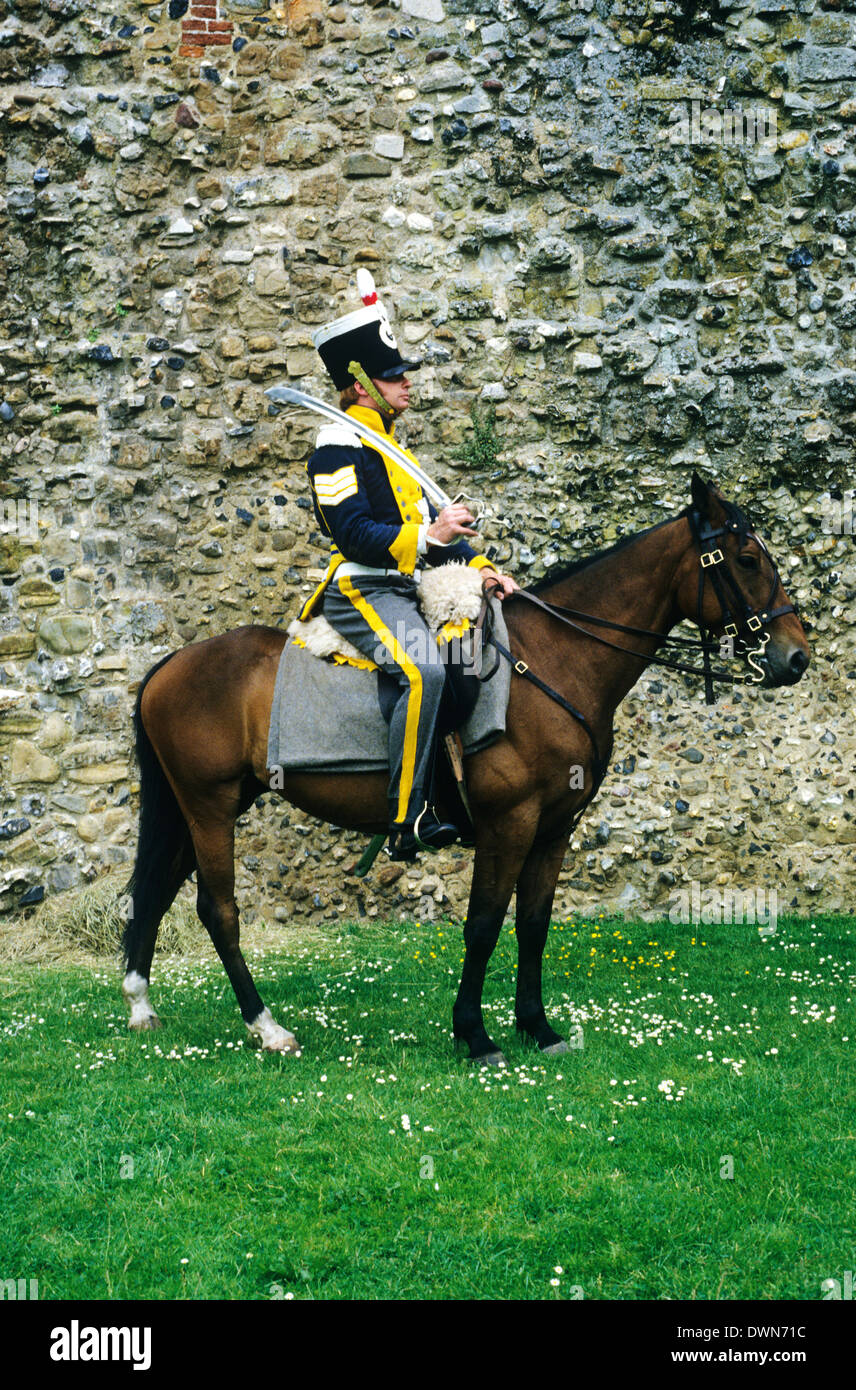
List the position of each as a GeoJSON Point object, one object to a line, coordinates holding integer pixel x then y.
{"type": "Point", "coordinates": [338, 435]}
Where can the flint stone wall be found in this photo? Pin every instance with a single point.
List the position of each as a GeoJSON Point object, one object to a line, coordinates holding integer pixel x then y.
{"type": "Point", "coordinates": [186, 194]}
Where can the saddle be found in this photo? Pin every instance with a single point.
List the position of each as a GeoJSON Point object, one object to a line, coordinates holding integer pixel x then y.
{"type": "Point", "coordinates": [453, 605]}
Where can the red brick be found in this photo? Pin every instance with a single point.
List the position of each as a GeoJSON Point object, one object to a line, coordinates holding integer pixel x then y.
{"type": "Point", "coordinates": [195, 35]}
{"type": "Point", "coordinates": [220, 26]}
{"type": "Point", "coordinates": [200, 11]}
{"type": "Point", "coordinates": [219, 38]}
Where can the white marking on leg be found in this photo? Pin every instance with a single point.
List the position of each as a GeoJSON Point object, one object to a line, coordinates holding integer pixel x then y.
{"type": "Point", "coordinates": [265, 1031]}
{"type": "Point", "coordinates": [136, 991]}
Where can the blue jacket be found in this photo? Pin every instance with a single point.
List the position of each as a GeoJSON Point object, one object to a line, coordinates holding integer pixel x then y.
{"type": "Point", "coordinates": [373, 511]}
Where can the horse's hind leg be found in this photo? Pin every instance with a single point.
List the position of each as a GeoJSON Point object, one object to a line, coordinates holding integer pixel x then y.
{"type": "Point", "coordinates": [149, 908]}
{"type": "Point", "coordinates": [214, 843]}
{"type": "Point", "coordinates": [536, 888]}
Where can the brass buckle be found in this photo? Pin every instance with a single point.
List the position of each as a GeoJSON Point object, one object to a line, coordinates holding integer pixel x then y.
{"type": "Point", "coordinates": [521, 668]}
{"type": "Point", "coordinates": [730, 629]}
{"type": "Point", "coordinates": [754, 623]}
{"type": "Point", "coordinates": [711, 557]}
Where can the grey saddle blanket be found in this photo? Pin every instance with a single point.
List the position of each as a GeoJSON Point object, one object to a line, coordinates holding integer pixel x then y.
{"type": "Point", "coordinates": [327, 718]}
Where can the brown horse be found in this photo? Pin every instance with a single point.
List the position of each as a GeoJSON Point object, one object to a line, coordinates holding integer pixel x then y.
{"type": "Point", "coordinates": [202, 718]}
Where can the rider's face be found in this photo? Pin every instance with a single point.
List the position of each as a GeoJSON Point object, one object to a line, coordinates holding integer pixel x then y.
{"type": "Point", "coordinates": [395, 391]}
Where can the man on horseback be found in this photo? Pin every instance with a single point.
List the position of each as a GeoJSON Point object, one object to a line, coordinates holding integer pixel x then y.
{"type": "Point", "coordinates": [382, 529]}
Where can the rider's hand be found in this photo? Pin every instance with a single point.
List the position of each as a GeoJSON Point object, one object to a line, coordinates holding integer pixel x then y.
{"type": "Point", "coordinates": [453, 522]}
{"type": "Point", "coordinates": [498, 585]}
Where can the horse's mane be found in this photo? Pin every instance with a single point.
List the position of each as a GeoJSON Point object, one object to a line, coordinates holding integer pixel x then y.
{"type": "Point", "coordinates": [733, 515]}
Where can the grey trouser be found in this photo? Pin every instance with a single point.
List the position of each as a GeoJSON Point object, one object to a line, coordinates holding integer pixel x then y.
{"type": "Point", "coordinates": [380, 617]}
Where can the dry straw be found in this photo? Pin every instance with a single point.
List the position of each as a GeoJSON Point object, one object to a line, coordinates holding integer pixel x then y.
{"type": "Point", "coordinates": [88, 921]}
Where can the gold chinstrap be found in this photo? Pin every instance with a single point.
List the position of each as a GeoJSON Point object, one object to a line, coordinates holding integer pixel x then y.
{"type": "Point", "coordinates": [366, 382]}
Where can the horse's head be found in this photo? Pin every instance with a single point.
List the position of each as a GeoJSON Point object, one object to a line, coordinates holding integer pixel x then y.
{"type": "Point", "coordinates": [728, 583]}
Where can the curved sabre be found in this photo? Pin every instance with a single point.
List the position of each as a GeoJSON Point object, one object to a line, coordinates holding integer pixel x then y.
{"type": "Point", "coordinates": [288, 395]}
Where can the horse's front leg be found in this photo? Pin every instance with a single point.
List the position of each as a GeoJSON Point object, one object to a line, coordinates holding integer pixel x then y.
{"type": "Point", "coordinates": [497, 864]}
{"type": "Point", "coordinates": [536, 888]}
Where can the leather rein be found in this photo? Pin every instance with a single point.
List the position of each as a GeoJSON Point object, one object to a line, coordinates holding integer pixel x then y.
{"type": "Point", "coordinates": [740, 620]}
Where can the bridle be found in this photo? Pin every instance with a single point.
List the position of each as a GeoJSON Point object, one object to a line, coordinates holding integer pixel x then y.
{"type": "Point", "coordinates": [741, 622]}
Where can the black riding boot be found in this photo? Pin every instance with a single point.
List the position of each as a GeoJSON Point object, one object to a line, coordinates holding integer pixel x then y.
{"type": "Point", "coordinates": [428, 832]}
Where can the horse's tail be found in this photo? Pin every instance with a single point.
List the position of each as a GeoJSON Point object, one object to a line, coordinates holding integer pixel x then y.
{"type": "Point", "coordinates": [165, 854]}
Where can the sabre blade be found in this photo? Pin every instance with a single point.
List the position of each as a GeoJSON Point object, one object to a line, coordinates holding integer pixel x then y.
{"type": "Point", "coordinates": [289, 395]}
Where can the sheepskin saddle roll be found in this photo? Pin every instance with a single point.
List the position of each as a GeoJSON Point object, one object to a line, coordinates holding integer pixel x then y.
{"type": "Point", "coordinates": [450, 598]}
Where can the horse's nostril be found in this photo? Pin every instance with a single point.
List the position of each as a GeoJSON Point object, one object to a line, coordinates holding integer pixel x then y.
{"type": "Point", "coordinates": [798, 663]}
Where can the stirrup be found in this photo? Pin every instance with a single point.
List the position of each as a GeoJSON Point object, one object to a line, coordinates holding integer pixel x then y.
{"type": "Point", "coordinates": [431, 833]}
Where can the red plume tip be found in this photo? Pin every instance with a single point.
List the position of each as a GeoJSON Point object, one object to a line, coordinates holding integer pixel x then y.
{"type": "Point", "coordinates": [366, 286]}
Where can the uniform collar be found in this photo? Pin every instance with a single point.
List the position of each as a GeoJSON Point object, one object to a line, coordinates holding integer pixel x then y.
{"type": "Point", "coordinates": [373, 419]}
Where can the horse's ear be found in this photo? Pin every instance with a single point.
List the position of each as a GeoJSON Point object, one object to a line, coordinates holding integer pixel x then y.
{"type": "Point", "coordinates": [700, 495]}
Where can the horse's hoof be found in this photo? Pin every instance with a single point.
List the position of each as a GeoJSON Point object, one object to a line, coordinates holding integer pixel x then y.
{"type": "Point", "coordinates": [556, 1049]}
{"type": "Point", "coordinates": [288, 1045]}
{"type": "Point", "coordinates": [267, 1034]}
{"type": "Point", "coordinates": [492, 1059]}
{"type": "Point", "coordinates": [144, 1024]}
{"type": "Point", "coordinates": [276, 1041]}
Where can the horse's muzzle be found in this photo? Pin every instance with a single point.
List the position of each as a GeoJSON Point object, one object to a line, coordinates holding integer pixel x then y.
{"type": "Point", "coordinates": [784, 669]}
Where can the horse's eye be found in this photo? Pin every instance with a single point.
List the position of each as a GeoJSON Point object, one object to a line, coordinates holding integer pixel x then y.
{"type": "Point", "coordinates": [747, 562]}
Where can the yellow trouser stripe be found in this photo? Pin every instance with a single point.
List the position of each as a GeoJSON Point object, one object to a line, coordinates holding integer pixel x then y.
{"type": "Point", "coordinates": [414, 698]}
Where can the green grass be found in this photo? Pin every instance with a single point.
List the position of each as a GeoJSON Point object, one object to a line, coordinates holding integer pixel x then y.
{"type": "Point", "coordinates": [183, 1164]}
